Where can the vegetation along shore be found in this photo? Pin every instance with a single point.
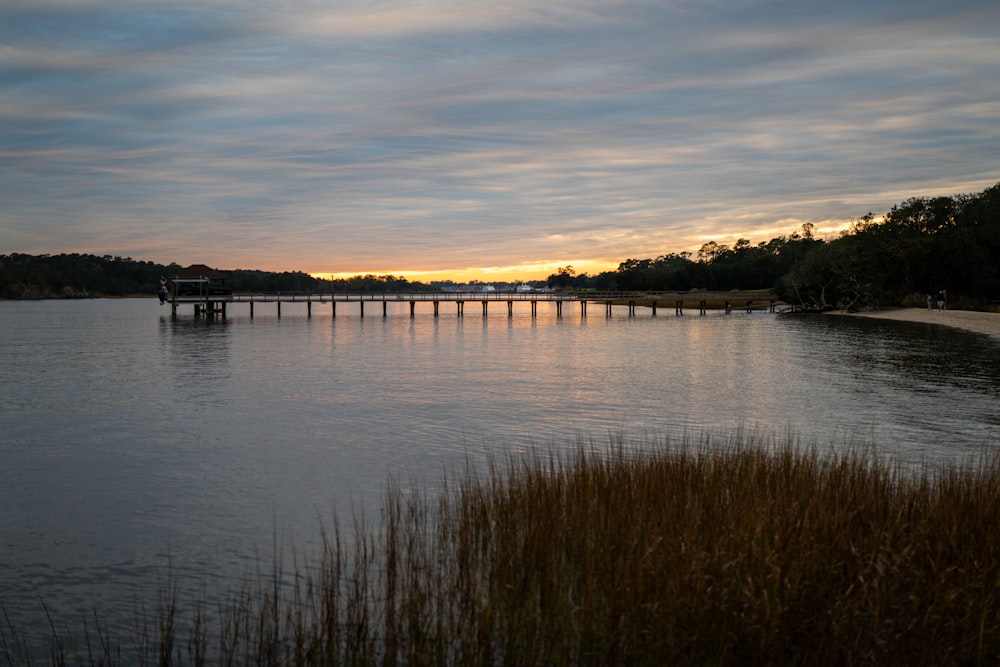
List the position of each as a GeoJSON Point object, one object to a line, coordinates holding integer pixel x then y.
{"type": "Point", "coordinates": [743, 551]}
{"type": "Point", "coordinates": [920, 246]}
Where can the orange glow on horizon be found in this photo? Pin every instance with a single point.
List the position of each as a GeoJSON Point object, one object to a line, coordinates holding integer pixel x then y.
{"type": "Point", "coordinates": [485, 274]}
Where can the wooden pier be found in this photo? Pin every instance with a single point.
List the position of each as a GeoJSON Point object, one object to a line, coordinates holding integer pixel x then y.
{"type": "Point", "coordinates": [702, 302]}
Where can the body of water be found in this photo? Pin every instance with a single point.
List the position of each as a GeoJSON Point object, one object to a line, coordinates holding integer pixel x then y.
{"type": "Point", "coordinates": [135, 447]}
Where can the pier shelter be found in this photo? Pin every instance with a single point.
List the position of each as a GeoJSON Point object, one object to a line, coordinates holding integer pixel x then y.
{"type": "Point", "coordinates": [202, 286]}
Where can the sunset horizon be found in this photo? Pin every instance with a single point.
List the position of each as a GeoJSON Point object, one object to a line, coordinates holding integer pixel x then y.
{"type": "Point", "coordinates": [480, 142]}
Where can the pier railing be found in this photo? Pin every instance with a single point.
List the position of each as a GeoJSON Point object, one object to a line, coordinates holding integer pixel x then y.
{"type": "Point", "coordinates": [621, 297]}
{"type": "Point", "coordinates": [702, 301]}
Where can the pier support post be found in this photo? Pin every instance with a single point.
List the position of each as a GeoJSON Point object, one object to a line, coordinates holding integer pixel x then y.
{"type": "Point", "coordinates": [279, 306]}
{"type": "Point", "coordinates": [510, 308]}
{"type": "Point", "coordinates": [583, 308]}
{"type": "Point", "coordinates": [309, 308]}
{"type": "Point", "coordinates": [558, 308]}
{"type": "Point", "coordinates": [333, 308]}
{"type": "Point", "coordinates": [436, 304]}
{"type": "Point", "coordinates": [251, 308]}
{"type": "Point", "coordinates": [534, 308]}
{"type": "Point", "coordinates": [361, 302]}
{"type": "Point", "coordinates": [461, 308]}
{"type": "Point", "coordinates": [484, 307]}
{"type": "Point", "coordinates": [654, 307]}
{"type": "Point", "coordinates": [607, 308]}
{"type": "Point", "coordinates": [631, 308]}
{"type": "Point", "coordinates": [384, 306]}
{"type": "Point", "coordinates": [413, 305]}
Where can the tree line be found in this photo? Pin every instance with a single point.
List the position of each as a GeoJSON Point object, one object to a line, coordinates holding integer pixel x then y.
{"type": "Point", "coordinates": [715, 267]}
{"type": "Point", "coordinates": [80, 275]}
{"type": "Point", "coordinates": [922, 246]}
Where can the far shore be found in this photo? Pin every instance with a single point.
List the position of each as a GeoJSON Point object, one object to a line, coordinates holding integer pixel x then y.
{"type": "Point", "coordinates": [987, 323]}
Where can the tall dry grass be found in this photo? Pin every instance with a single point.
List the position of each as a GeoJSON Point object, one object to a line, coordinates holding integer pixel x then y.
{"type": "Point", "coordinates": [697, 555]}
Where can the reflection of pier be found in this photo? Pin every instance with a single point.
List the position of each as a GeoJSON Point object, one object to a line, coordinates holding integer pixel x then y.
{"type": "Point", "coordinates": [702, 302]}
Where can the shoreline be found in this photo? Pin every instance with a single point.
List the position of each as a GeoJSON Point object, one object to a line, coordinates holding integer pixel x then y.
{"type": "Point", "coordinates": [969, 320]}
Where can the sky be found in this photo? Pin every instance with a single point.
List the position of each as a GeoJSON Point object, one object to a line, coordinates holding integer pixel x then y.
{"type": "Point", "coordinates": [467, 139]}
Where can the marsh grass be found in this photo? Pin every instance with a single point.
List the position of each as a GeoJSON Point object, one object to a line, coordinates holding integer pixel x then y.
{"type": "Point", "coordinates": [715, 554]}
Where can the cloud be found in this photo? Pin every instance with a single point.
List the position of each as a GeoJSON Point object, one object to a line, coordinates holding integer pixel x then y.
{"type": "Point", "coordinates": [442, 135]}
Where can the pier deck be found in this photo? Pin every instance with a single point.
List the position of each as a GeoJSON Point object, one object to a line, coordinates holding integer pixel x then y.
{"type": "Point", "coordinates": [702, 301]}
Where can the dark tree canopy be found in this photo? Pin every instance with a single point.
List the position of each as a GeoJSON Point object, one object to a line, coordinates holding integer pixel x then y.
{"type": "Point", "coordinates": [921, 246]}
{"type": "Point", "coordinates": [717, 267]}
{"type": "Point", "coordinates": [75, 275]}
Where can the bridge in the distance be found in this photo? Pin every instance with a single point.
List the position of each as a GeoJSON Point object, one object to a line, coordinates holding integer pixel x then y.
{"type": "Point", "coordinates": [700, 301]}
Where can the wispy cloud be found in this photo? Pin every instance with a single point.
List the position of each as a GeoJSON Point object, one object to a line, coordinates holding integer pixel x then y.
{"type": "Point", "coordinates": [447, 135]}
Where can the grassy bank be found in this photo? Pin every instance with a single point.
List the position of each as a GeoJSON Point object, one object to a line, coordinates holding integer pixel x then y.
{"type": "Point", "coordinates": [723, 555]}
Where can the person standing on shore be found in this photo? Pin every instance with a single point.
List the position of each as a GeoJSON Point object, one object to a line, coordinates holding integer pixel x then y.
{"type": "Point", "coordinates": [941, 299]}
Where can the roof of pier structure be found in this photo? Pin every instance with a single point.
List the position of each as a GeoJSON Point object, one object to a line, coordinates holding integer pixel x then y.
{"type": "Point", "coordinates": [200, 271]}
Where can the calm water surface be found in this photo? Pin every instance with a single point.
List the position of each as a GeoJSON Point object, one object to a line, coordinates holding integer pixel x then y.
{"type": "Point", "coordinates": [132, 444]}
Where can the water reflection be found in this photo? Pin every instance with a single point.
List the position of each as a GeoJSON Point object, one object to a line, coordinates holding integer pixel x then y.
{"type": "Point", "coordinates": [130, 436]}
{"type": "Point", "coordinates": [926, 392]}
{"type": "Point", "coordinates": [197, 360]}
{"type": "Point", "coordinates": [918, 356]}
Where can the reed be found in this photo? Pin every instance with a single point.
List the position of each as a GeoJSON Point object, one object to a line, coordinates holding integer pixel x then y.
{"type": "Point", "coordinates": [707, 553]}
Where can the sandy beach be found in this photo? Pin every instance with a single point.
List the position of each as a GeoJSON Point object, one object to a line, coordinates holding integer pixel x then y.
{"type": "Point", "coordinates": [987, 323]}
